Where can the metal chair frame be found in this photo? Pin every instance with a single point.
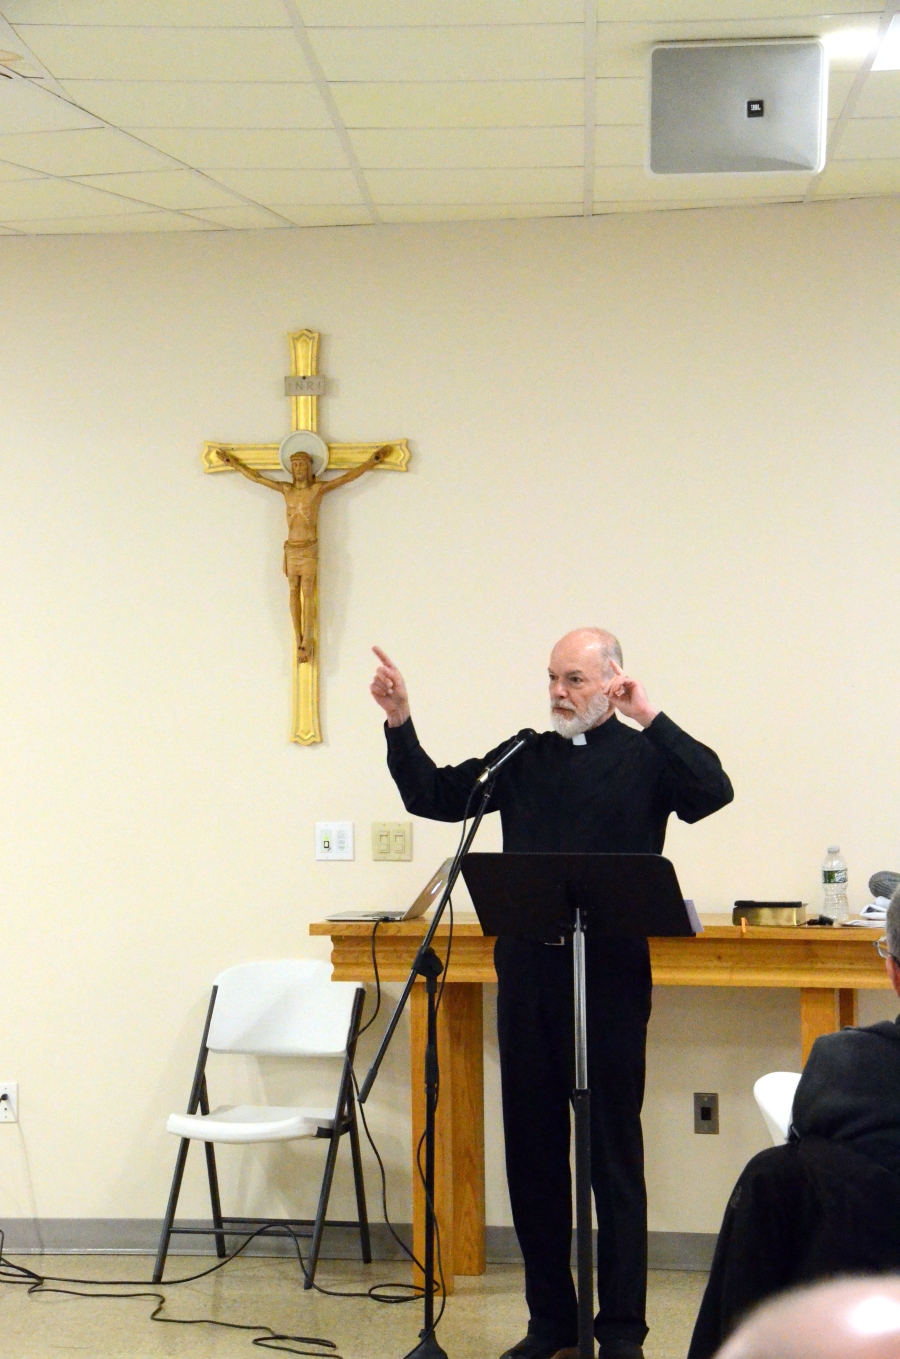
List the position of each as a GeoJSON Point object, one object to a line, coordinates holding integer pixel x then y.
{"type": "Point", "coordinates": [345, 1121]}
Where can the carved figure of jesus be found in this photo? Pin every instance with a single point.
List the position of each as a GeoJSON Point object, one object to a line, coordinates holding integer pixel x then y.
{"type": "Point", "coordinates": [302, 497]}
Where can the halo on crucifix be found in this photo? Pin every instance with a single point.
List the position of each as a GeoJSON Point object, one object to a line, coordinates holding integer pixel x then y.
{"type": "Point", "coordinates": [304, 441]}
{"type": "Point", "coordinates": [303, 489]}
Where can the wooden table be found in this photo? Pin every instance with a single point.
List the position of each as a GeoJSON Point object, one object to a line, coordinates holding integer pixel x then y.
{"type": "Point", "coordinates": [827, 965]}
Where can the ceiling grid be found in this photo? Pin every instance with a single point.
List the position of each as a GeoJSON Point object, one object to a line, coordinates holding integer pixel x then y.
{"type": "Point", "coordinates": [148, 115]}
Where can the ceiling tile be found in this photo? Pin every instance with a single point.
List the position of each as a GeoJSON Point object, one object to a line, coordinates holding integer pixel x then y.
{"type": "Point", "coordinates": [650, 11]}
{"type": "Point", "coordinates": [293, 186]}
{"type": "Point", "coordinates": [324, 214]}
{"type": "Point", "coordinates": [880, 96]}
{"type": "Point", "coordinates": [623, 49]}
{"type": "Point", "coordinates": [847, 178]}
{"type": "Point", "coordinates": [27, 108]}
{"type": "Point", "coordinates": [477, 103]}
{"type": "Point", "coordinates": [478, 212]}
{"type": "Point", "coordinates": [620, 146]}
{"type": "Point", "coordinates": [10, 174]}
{"type": "Point", "coordinates": [212, 148]}
{"type": "Point", "coordinates": [243, 218]}
{"type": "Point", "coordinates": [395, 13]}
{"type": "Point", "coordinates": [524, 52]}
{"type": "Point", "coordinates": [623, 101]}
{"type": "Point", "coordinates": [47, 198]}
{"type": "Point", "coordinates": [839, 83]}
{"type": "Point", "coordinates": [122, 222]}
{"type": "Point", "coordinates": [867, 138]}
{"type": "Point", "coordinates": [164, 189]}
{"type": "Point", "coordinates": [168, 53]}
{"type": "Point", "coordinates": [602, 209]}
{"type": "Point", "coordinates": [163, 103]}
{"type": "Point", "coordinates": [635, 183]}
{"type": "Point", "coordinates": [422, 148]}
{"type": "Point", "coordinates": [475, 186]}
{"type": "Point", "coordinates": [153, 13]}
{"type": "Point", "coordinates": [98, 151]}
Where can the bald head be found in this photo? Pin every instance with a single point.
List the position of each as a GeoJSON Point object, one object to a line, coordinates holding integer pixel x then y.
{"type": "Point", "coordinates": [596, 643]}
{"type": "Point", "coordinates": [849, 1319]}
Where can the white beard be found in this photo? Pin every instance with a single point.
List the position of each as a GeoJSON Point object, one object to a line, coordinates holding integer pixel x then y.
{"type": "Point", "coordinates": [578, 723]}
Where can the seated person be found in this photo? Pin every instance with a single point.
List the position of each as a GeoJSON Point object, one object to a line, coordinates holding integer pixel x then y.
{"type": "Point", "coordinates": [846, 1319]}
{"type": "Point", "coordinates": [829, 1201]}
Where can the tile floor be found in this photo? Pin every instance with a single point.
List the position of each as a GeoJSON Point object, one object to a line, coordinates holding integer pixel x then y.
{"type": "Point", "coordinates": [483, 1317]}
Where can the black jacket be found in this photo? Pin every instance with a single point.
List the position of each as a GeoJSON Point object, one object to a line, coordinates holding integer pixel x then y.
{"type": "Point", "coordinates": [850, 1092]}
{"type": "Point", "coordinates": [827, 1203]}
{"type": "Point", "coordinates": [612, 795]}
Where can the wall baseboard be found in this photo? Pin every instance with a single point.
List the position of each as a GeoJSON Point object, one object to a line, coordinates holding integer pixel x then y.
{"type": "Point", "coordinates": [139, 1236]}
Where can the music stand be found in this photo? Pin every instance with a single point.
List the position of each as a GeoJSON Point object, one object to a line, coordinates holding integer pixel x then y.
{"type": "Point", "coordinates": [544, 896]}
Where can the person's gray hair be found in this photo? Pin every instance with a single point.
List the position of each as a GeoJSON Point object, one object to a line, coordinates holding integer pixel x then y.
{"type": "Point", "coordinates": [892, 924]}
{"type": "Point", "coordinates": [609, 645]}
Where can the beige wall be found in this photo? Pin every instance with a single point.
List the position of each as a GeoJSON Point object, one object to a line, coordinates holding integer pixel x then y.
{"type": "Point", "coordinates": [680, 425]}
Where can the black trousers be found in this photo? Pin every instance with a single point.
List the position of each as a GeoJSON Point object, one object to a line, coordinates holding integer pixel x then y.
{"type": "Point", "coordinates": [536, 1038]}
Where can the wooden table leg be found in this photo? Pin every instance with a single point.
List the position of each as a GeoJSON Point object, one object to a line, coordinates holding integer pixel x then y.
{"type": "Point", "coordinates": [819, 1014]}
{"type": "Point", "coordinates": [847, 1008]}
{"type": "Point", "coordinates": [464, 1019]}
{"type": "Point", "coordinates": [459, 1141]}
{"type": "Point", "coordinates": [443, 1145]}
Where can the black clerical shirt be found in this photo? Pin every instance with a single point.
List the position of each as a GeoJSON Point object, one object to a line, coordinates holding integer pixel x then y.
{"type": "Point", "coordinates": [611, 795]}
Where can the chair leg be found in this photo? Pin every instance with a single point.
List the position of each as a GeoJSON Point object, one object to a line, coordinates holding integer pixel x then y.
{"type": "Point", "coordinates": [324, 1195]}
{"type": "Point", "coordinates": [168, 1220]}
{"type": "Point", "coordinates": [215, 1202]}
{"type": "Point", "coordinates": [360, 1186]}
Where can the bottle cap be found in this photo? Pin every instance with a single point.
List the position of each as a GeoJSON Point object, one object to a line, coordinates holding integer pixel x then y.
{"type": "Point", "coordinates": [834, 849]}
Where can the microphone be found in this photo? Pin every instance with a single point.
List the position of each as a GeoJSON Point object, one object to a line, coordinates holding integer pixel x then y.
{"type": "Point", "coordinates": [524, 738]}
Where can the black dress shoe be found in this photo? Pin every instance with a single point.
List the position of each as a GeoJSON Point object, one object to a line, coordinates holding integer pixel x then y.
{"type": "Point", "coordinates": [531, 1347]}
{"type": "Point", "coordinates": [621, 1349]}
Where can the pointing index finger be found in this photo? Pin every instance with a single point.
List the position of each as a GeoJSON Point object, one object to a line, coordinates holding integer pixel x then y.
{"type": "Point", "coordinates": [385, 659]}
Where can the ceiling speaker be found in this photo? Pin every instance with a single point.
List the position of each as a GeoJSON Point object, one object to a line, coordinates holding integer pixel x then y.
{"type": "Point", "coordinates": [738, 107]}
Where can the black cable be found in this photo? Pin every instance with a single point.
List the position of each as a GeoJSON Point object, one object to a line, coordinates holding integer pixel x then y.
{"type": "Point", "coordinates": [12, 1273]}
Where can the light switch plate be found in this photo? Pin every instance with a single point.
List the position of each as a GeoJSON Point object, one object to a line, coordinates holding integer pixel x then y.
{"type": "Point", "coordinates": [9, 1104]}
{"type": "Point", "coordinates": [391, 841]}
{"type": "Point", "coordinates": [334, 839]}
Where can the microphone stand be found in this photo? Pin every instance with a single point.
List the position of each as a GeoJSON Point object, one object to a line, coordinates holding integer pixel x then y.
{"type": "Point", "coordinates": [428, 965]}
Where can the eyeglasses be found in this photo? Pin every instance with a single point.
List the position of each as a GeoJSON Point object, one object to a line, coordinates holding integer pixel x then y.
{"type": "Point", "coordinates": [884, 951]}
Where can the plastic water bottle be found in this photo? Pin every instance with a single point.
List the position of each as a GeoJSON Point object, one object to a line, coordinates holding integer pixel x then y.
{"type": "Point", "coordinates": [834, 885]}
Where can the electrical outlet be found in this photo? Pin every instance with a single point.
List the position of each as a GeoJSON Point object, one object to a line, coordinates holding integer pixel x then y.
{"type": "Point", "coordinates": [706, 1113]}
{"type": "Point", "coordinates": [9, 1102]}
{"type": "Point", "coordinates": [334, 839]}
{"type": "Point", "coordinates": [391, 840]}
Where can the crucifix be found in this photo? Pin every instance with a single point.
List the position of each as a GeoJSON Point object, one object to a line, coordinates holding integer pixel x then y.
{"type": "Point", "coordinates": [303, 456]}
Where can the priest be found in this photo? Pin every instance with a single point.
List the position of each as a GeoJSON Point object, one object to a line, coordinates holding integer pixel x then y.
{"type": "Point", "coordinates": [592, 784]}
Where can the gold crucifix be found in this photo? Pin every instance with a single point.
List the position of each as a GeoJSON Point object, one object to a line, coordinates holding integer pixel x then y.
{"type": "Point", "coordinates": [304, 456]}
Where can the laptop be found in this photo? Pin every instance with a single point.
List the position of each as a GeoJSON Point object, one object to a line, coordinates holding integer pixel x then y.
{"type": "Point", "coordinates": [428, 896]}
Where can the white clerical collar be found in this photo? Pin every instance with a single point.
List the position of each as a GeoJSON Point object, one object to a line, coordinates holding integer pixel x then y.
{"type": "Point", "coordinates": [579, 740]}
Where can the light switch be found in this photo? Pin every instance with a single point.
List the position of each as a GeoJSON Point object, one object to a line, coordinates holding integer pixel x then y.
{"type": "Point", "coordinates": [334, 839]}
{"type": "Point", "coordinates": [391, 840]}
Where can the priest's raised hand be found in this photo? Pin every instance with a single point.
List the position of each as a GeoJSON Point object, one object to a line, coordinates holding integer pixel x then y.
{"type": "Point", "coordinates": [388, 689]}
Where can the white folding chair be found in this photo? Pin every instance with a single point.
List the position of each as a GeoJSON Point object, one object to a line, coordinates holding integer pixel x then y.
{"type": "Point", "coordinates": [774, 1094]}
{"type": "Point", "coordinates": [290, 1008]}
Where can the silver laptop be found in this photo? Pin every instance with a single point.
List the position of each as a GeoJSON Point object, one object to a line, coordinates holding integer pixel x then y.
{"type": "Point", "coordinates": [429, 894]}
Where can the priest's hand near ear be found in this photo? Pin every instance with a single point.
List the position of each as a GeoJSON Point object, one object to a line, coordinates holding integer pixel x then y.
{"type": "Point", "coordinates": [389, 690]}
{"type": "Point", "coordinates": [628, 696]}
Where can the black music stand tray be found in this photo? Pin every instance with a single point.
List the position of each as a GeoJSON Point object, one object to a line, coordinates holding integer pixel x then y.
{"type": "Point", "coordinates": [545, 896]}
